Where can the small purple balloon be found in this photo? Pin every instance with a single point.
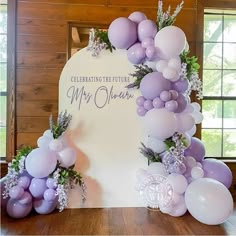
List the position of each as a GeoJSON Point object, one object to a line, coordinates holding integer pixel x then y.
{"type": "Point", "coordinates": [171, 105]}
{"type": "Point", "coordinates": [148, 105]}
{"type": "Point", "coordinates": [174, 94]}
{"type": "Point", "coordinates": [182, 103]}
{"type": "Point", "coordinates": [42, 206]}
{"type": "Point", "coordinates": [151, 53]}
{"type": "Point", "coordinates": [49, 195]}
{"type": "Point", "coordinates": [136, 54]}
{"type": "Point", "coordinates": [16, 192]}
{"type": "Point", "coordinates": [37, 187]}
{"type": "Point", "coordinates": [24, 182]}
{"type": "Point", "coordinates": [122, 33]}
{"type": "Point", "coordinates": [51, 183]}
{"type": "Point", "coordinates": [165, 96]}
{"type": "Point", "coordinates": [137, 16]}
{"type": "Point", "coordinates": [158, 103]}
{"type": "Point", "coordinates": [18, 210]}
{"type": "Point", "coordinates": [141, 111]}
{"type": "Point", "coordinates": [180, 85]}
{"type": "Point", "coordinates": [146, 29]}
{"type": "Point", "coordinates": [196, 149]}
{"type": "Point", "coordinates": [153, 84]}
{"type": "Point", "coordinates": [147, 42]}
{"type": "Point", "coordinates": [217, 170]}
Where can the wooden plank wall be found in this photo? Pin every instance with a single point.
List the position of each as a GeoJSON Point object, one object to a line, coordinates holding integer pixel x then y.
{"type": "Point", "coordinates": [41, 50]}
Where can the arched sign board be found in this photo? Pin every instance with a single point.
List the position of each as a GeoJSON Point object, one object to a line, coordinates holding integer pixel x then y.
{"type": "Point", "coordinates": [105, 129]}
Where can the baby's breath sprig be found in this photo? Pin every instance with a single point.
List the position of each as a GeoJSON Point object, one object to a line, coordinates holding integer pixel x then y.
{"type": "Point", "coordinates": [63, 122]}
{"type": "Point", "coordinates": [165, 18]}
{"type": "Point", "coordinates": [141, 71]}
{"type": "Point", "coordinates": [149, 154]}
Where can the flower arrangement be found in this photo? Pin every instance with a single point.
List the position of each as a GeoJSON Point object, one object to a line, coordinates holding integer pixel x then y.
{"type": "Point", "coordinates": [41, 178]}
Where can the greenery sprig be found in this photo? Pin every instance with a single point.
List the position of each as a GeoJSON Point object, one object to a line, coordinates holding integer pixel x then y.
{"type": "Point", "coordinates": [23, 152]}
{"type": "Point", "coordinates": [192, 66]}
{"type": "Point", "coordinates": [165, 18]}
{"type": "Point", "coordinates": [102, 37]}
{"type": "Point", "coordinates": [141, 71]}
{"type": "Point", "coordinates": [63, 122]}
{"type": "Point", "coordinates": [169, 142]}
{"type": "Point", "coordinates": [149, 154]}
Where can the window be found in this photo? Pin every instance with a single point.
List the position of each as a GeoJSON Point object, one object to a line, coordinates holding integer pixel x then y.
{"type": "Point", "coordinates": [219, 84]}
{"type": "Point", "coordinates": [3, 77]}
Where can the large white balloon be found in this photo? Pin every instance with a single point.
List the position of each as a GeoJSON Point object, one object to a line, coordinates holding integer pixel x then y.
{"type": "Point", "coordinates": [185, 122]}
{"type": "Point", "coordinates": [178, 182]}
{"type": "Point", "coordinates": [41, 162]}
{"type": "Point", "coordinates": [160, 123]}
{"type": "Point", "coordinates": [156, 145]}
{"type": "Point", "coordinates": [170, 42]}
{"type": "Point", "coordinates": [209, 201]}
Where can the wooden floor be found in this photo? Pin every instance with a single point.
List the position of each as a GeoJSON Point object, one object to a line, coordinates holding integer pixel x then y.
{"type": "Point", "coordinates": [115, 221]}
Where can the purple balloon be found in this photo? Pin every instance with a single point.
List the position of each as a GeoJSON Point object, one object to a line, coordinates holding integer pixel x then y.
{"type": "Point", "coordinates": [153, 84]}
{"type": "Point", "coordinates": [151, 53]}
{"type": "Point", "coordinates": [182, 103]}
{"type": "Point", "coordinates": [147, 42]}
{"type": "Point", "coordinates": [37, 187]}
{"type": "Point", "coordinates": [26, 198]}
{"type": "Point", "coordinates": [49, 195]}
{"type": "Point", "coordinates": [174, 94]}
{"type": "Point", "coordinates": [217, 170]}
{"type": "Point", "coordinates": [17, 210]}
{"type": "Point", "coordinates": [137, 16]}
{"type": "Point", "coordinates": [136, 54]}
{"type": "Point", "coordinates": [16, 192]}
{"type": "Point", "coordinates": [24, 182]}
{"type": "Point", "coordinates": [146, 29]}
{"type": "Point", "coordinates": [196, 149]}
{"type": "Point", "coordinates": [180, 85]}
{"type": "Point", "coordinates": [42, 206]}
{"type": "Point", "coordinates": [171, 105]}
{"type": "Point", "coordinates": [158, 103]}
{"type": "Point", "coordinates": [148, 105]}
{"type": "Point", "coordinates": [51, 183]}
{"type": "Point", "coordinates": [165, 96]}
{"type": "Point", "coordinates": [141, 111]}
{"type": "Point", "coordinates": [122, 33]}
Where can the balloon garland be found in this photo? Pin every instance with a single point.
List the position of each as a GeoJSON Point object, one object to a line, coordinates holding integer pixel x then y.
{"type": "Point", "coordinates": [40, 178]}
{"type": "Point", "coordinates": [178, 177]}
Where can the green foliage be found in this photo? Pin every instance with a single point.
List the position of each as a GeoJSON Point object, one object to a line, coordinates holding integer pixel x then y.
{"type": "Point", "coordinates": [69, 174]}
{"type": "Point", "coordinates": [149, 154]}
{"type": "Point", "coordinates": [170, 143]}
{"type": "Point", "coordinates": [102, 37]}
{"type": "Point", "coordinates": [23, 152]}
{"type": "Point", "coordinates": [141, 71]}
{"type": "Point", "coordinates": [164, 18]}
{"type": "Point", "coordinates": [63, 122]}
{"type": "Point", "coordinates": [191, 62]}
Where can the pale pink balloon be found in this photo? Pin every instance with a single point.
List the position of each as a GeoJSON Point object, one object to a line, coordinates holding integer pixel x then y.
{"type": "Point", "coordinates": [67, 157]}
{"type": "Point", "coordinates": [137, 16]}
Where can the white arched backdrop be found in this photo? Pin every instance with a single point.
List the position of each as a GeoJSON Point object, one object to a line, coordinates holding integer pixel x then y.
{"type": "Point", "coordinates": [105, 129]}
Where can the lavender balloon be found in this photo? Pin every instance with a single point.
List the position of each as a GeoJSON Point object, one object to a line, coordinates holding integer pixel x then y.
{"type": "Point", "coordinates": [18, 210]}
{"type": "Point", "coordinates": [151, 53]}
{"type": "Point", "coordinates": [24, 182]}
{"type": "Point", "coordinates": [26, 198]}
{"type": "Point", "coordinates": [49, 195]}
{"type": "Point", "coordinates": [180, 85]}
{"type": "Point", "coordinates": [137, 16]}
{"type": "Point", "coordinates": [153, 84]}
{"type": "Point", "coordinates": [158, 103]}
{"type": "Point", "coordinates": [171, 105]}
{"type": "Point", "coordinates": [165, 96]}
{"type": "Point", "coordinates": [42, 206]}
{"type": "Point", "coordinates": [122, 33]}
{"type": "Point", "coordinates": [37, 187]}
{"type": "Point", "coordinates": [16, 192]}
{"type": "Point", "coordinates": [196, 149]}
{"type": "Point", "coordinates": [136, 54]}
{"type": "Point", "coordinates": [182, 103]}
{"type": "Point", "coordinates": [146, 29]}
{"type": "Point", "coordinates": [147, 42]}
{"type": "Point", "coordinates": [51, 183]}
{"type": "Point", "coordinates": [141, 111]}
{"type": "Point", "coordinates": [148, 105]}
{"type": "Point", "coordinates": [217, 170]}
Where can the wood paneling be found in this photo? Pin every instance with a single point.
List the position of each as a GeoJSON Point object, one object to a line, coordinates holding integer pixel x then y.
{"type": "Point", "coordinates": [27, 138]}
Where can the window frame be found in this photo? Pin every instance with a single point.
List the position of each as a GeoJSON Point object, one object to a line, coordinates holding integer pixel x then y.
{"type": "Point", "coordinates": [202, 5]}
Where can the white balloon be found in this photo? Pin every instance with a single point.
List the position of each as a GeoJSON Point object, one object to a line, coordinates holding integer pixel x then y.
{"type": "Point", "coordinates": [157, 168]}
{"type": "Point", "coordinates": [175, 63]}
{"type": "Point", "coordinates": [178, 182]}
{"type": "Point", "coordinates": [197, 172]}
{"type": "Point", "coordinates": [156, 145]}
{"type": "Point", "coordinates": [185, 122]}
{"type": "Point", "coordinates": [48, 133]}
{"type": "Point", "coordinates": [160, 123]}
{"type": "Point", "coordinates": [209, 201]}
{"type": "Point", "coordinates": [56, 145]}
{"type": "Point", "coordinates": [197, 116]}
{"type": "Point", "coordinates": [43, 142]}
{"type": "Point", "coordinates": [67, 157]}
{"type": "Point", "coordinates": [170, 42]}
{"type": "Point", "coordinates": [179, 209]}
{"type": "Point", "coordinates": [41, 162]}
{"type": "Point", "coordinates": [152, 64]}
{"type": "Point", "coordinates": [161, 65]}
{"type": "Point", "coordinates": [196, 106]}
{"type": "Point", "coordinates": [170, 74]}
{"type": "Point", "coordinates": [192, 131]}
{"type": "Point", "coordinates": [190, 161]}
